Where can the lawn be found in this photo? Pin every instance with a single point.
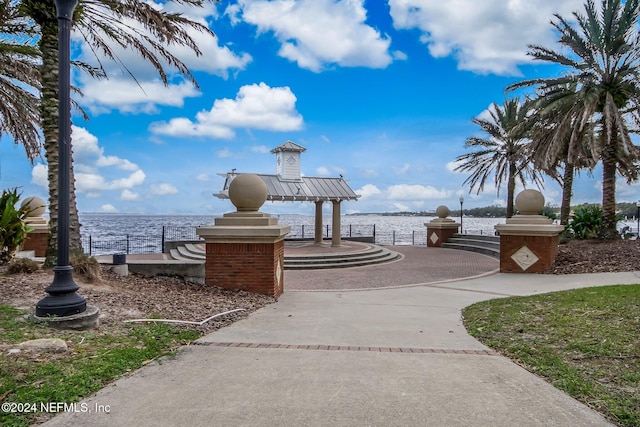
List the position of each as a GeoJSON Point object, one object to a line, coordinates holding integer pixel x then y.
{"type": "Point", "coordinates": [95, 358]}
{"type": "Point", "coordinates": [585, 342]}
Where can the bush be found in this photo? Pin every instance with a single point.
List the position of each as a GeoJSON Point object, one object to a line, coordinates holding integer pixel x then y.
{"type": "Point", "coordinates": [13, 230]}
{"type": "Point", "coordinates": [22, 265]}
{"type": "Point", "coordinates": [87, 266]}
{"type": "Point", "coordinates": [586, 222]}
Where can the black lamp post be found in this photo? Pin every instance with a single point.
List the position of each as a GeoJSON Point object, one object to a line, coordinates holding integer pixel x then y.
{"type": "Point", "coordinates": [638, 217]}
{"type": "Point", "coordinates": [461, 202]}
{"type": "Point", "coordinates": [63, 299]}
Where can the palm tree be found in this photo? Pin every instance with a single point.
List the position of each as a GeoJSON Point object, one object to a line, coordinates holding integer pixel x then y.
{"type": "Point", "coordinates": [504, 154]}
{"type": "Point", "coordinates": [19, 80]}
{"type": "Point", "coordinates": [559, 141]}
{"type": "Point", "coordinates": [131, 24]}
{"type": "Point", "coordinates": [603, 64]}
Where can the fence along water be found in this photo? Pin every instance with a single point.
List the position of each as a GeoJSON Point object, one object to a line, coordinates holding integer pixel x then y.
{"type": "Point", "coordinates": [149, 244]}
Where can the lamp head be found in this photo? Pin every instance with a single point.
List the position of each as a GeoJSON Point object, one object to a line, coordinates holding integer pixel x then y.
{"type": "Point", "coordinates": [65, 8]}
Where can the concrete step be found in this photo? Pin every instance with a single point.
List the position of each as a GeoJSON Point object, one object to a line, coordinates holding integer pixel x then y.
{"type": "Point", "coordinates": [372, 254]}
{"type": "Point", "coordinates": [486, 237]}
{"type": "Point", "coordinates": [188, 252]}
{"type": "Point", "coordinates": [375, 256]}
{"type": "Point", "coordinates": [487, 245]}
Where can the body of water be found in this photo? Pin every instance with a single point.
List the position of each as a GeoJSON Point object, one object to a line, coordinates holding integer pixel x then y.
{"type": "Point", "coordinates": [132, 233]}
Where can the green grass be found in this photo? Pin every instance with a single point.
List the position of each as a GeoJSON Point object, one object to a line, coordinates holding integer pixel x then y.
{"type": "Point", "coordinates": [95, 358]}
{"type": "Point", "coordinates": [585, 342]}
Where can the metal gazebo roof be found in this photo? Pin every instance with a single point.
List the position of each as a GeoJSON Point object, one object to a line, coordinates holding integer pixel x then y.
{"type": "Point", "coordinates": [311, 189]}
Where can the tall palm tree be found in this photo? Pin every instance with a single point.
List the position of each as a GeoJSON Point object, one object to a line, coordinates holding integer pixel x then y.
{"type": "Point", "coordinates": [603, 63]}
{"type": "Point", "coordinates": [104, 24]}
{"type": "Point", "coordinates": [559, 140]}
{"type": "Point", "coordinates": [504, 154]}
{"type": "Point", "coordinates": [19, 80]}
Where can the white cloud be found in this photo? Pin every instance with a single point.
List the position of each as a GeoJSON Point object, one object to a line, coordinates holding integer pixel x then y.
{"type": "Point", "coordinates": [119, 93]}
{"type": "Point", "coordinates": [369, 173]}
{"type": "Point", "coordinates": [256, 106]}
{"type": "Point", "coordinates": [319, 33]}
{"type": "Point", "coordinates": [224, 153]}
{"type": "Point", "coordinates": [488, 36]}
{"type": "Point", "coordinates": [94, 172]}
{"type": "Point", "coordinates": [39, 176]}
{"type": "Point", "coordinates": [260, 149]}
{"type": "Point", "coordinates": [86, 182]}
{"type": "Point", "coordinates": [415, 192]}
{"type": "Point", "coordinates": [451, 166]}
{"type": "Point", "coordinates": [129, 195]}
{"type": "Point", "coordinates": [125, 94]}
{"type": "Point", "coordinates": [108, 208]}
{"type": "Point", "coordinates": [88, 155]}
{"type": "Point", "coordinates": [323, 171]}
{"type": "Point", "coordinates": [402, 169]}
{"type": "Point", "coordinates": [203, 177]}
{"type": "Point", "coordinates": [163, 189]}
{"type": "Point", "coordinates": [368, 191]}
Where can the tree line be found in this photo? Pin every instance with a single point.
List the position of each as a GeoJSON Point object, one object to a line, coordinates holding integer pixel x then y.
{"type": "Point", "coordinates": [573, 121]}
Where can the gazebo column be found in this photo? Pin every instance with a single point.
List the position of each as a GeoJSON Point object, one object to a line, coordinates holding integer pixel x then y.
{"type": "Point", "coordinates": [318, 226]}
{"type": "Point", "coordinates": [335, 224]}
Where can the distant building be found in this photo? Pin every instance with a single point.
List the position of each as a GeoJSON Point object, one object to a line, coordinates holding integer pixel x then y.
{"type": "Point", "coordinates": [288, 184]}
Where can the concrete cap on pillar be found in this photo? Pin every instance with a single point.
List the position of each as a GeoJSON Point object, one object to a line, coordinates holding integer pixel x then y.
{"type": "Point", "coordinates": [530, 202]}
{"type": "Point", "coordinates": [247, 192]}
{"type": "Point", "coordinates": [35, 205]}
{"type": "Point", "coordinates": [442, 211]}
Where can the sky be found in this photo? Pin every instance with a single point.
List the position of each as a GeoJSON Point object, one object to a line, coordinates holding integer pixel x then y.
{"type": "Point", "coordinates": [381, 92]}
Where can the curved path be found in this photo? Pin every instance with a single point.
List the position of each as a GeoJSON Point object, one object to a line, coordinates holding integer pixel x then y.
{"type": "Point", "coordinates": [419, 265]}
{"type": "Point", "coordinates": [397, 356]}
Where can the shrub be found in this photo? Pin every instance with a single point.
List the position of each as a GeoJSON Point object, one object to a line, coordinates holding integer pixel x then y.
{"type": "Point", "coordinates": [22, 265]}
{"type": "Point", "coordinates": [13, 230]}
{"type": "Point", "coordinates": [586, 222]}
{"type": "Point", "coordinates": [87, 266]}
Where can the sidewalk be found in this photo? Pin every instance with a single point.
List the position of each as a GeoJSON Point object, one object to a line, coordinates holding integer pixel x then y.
{"type": "Point", "coordinates": [393, 356]}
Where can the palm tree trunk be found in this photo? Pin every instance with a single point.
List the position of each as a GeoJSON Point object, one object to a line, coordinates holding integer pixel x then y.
{"type": "Point", "coordinates": [511, 188]}
{"type": "Point", "coordinates": [608, 229]}
{"type": "Point", "coordinates": [567, 193]}
{"type": "Point", "coordinates": [49, 117]}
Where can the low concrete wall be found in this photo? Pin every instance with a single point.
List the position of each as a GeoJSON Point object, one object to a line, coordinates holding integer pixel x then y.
{"type": "Point", "coordinates": [192, 272]}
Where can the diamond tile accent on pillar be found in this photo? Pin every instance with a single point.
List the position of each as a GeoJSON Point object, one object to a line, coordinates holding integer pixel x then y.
{"type": "Point", "coordinates": [524, 257]}
{"type": "Point", "coordinates": [279, 273]}
{"type": "Point", "coordinates": [433, 238]}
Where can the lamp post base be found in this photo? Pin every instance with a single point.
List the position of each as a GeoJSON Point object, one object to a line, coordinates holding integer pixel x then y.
{"type": "Point", "coordinates": [62, 299]}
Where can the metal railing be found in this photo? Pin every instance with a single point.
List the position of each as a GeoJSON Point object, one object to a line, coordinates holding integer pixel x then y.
{"type": "Point", "coordinates": [148, 244]}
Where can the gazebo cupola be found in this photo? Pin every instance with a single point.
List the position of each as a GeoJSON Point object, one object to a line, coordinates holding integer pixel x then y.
{"type": "Point", "coordinates": [288, 161]}
{"type": "Point", "coordinates": [288, 184]}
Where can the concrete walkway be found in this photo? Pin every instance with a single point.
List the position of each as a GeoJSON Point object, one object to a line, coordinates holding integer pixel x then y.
{"type": "Point", "coordinates": [395, 356]}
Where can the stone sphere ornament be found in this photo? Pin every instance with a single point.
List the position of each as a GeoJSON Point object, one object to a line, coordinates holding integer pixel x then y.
{"type": "Point", "coordinates": [247, 192]}
{"type": "Point", "coordinates": [35, 205]}
{"type": "Point", "coordinates": [442, 211]}
{"type": "Point", "coordinates": [530, 202]}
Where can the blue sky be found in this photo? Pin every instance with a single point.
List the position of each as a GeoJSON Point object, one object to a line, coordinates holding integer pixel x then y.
{"type": "Point", "coordinates": [382, 92]}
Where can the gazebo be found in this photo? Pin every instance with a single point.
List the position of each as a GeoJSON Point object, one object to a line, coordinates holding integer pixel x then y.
{"type": "Point", "coordinates": [288, 185]}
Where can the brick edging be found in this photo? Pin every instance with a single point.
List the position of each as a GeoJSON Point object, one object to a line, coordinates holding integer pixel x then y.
{"type": "Point", "coordinates": [349, 348]}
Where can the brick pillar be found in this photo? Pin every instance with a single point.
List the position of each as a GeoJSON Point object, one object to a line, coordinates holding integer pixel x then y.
{"type": "Point", "coordinates": [38, 236]}
{"type": "Point", "coordinates": [252, 267]}
{"type": "Point", "coordinates": [527, 253]}
{"type": "Point", "coordinates": [440, 230]}
{"type": "Point", "coordinates": [528, 242]}
{"type": "Point", "coordinates": [245, 251]}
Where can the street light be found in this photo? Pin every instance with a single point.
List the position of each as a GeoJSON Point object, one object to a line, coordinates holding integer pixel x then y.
{"type": "Point", "coordinates": [63, 299]}
{"type": "Point", "coordinates": [461, 202]}
{"type": "Point", "coordinates": [638, 217]}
